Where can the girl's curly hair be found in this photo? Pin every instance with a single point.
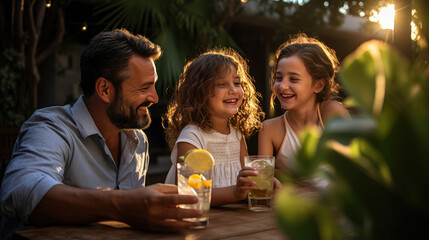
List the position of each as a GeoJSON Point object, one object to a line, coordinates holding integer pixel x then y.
{"type": "Point", "coordinates": [320, 60]}
{"type": "Point", "coordinates": [189, 102]}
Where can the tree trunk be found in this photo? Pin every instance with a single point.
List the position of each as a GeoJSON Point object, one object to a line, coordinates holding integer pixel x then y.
{"type": "Point", "coordinates": [402, 31]}
{"type": "Point", "coordinates": [35, 12]}
{"type": "Point", "coordinates": [26, 28]}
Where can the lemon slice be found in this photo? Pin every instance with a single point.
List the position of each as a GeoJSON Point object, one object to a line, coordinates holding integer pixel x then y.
{"type": "Point", "coordinates": [195, 181]}
{"type": "Point", "coordinates": [199, 160]}
{"type": "Point", "coordinates": [207, 183]}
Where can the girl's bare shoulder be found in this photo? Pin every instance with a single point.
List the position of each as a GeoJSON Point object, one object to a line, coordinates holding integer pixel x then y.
{"type": "Point", "coordinates": [273, 123]}
{"type": "Point", "coordinates": [331, 108]}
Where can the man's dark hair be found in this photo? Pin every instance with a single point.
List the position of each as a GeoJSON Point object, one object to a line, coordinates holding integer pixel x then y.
{"type": "Point", "coordinates": [107, 56]}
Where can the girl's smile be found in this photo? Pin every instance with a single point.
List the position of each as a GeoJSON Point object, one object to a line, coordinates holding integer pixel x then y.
{"type": "Point", "coordinates": [293, 83]}
{"type": "Point", "coordinates": [227, 95]}
{"type": "Point", "coordinates": [231, 101]}
{"type": "Point", "coordinates": [287, 96]}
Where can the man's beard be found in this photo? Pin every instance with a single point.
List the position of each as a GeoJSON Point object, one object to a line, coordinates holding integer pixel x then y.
{"type": "Point", "coordinates": [128, 119]}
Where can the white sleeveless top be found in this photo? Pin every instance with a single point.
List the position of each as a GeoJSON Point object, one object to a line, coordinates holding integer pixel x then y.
{"type": "Point", "coordinates": [224, 148]}
{"type": "Point", "coordinates": [290, 144]}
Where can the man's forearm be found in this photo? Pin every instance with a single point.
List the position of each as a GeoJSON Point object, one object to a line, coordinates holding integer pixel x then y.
{"type": "Point", "coordinates": [69, 205]}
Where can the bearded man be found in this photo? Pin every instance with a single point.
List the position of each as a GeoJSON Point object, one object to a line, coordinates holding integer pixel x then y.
{"type": "Point", "coordinates": [87, 162]}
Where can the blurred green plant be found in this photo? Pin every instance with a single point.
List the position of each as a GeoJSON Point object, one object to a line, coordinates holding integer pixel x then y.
{"type": "Point", "coordinates": [377, 162]}
{"type": "Point", "coordinates": [13, 64]}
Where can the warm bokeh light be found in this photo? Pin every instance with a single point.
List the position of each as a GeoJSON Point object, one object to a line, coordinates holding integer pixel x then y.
{"type": "Point", "coordinates": [48, 4]}
{"type": "Point", "coordinates": [385, 17]}
{"type": "Point", "coordinates": [414, 32]}
{"type": "Point", "coordinates": [84, 27]}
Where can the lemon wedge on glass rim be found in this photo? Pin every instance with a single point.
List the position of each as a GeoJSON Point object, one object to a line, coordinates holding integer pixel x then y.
{"type": "Point", "coordinates": [199, 160]}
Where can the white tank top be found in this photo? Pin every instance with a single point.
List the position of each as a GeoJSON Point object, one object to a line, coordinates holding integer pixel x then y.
{"type": "Point", "coordinates": [290, 144]}
{"type": "Point", "coordinates": [225, 149]}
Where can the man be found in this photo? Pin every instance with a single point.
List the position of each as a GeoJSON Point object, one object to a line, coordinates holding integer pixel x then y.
{"type": "Point", "coordinates": [88, 162]}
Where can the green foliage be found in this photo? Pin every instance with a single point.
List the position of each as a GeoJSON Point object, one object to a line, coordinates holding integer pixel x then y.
{"type": "Point", "coordinates": [10, 75]}
{"type": "Point", "coordinates": [303, 218]}
{"type": "Point", "coordinates": [376, 162]}
{"type": "Point", "coordinates": [312, 16]}
{"type": "Point", "coordinates": [183, 29]}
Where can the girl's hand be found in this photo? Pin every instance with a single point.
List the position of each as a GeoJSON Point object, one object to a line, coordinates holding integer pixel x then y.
{"type": "Point", "coordinates": [277, 185]}
{"type": "Point", "coordinates": [243, 183]}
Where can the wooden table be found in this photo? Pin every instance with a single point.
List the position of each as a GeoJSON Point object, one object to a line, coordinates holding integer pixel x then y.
{"type": "Point", "coordinates": [232, 221]}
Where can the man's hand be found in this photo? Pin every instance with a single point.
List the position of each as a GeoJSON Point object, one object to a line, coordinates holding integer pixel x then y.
{"type": "Point", "coordinates": [155, 208]}
{"type": "Point", "coordinates": [151, 208]}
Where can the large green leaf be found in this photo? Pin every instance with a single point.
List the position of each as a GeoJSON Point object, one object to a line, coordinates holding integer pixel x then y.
{"type": "Point", "coordinates": [304, 219]}
{"type": "Point", "coordinates": [388, 211]}
{"type": "Point", "coordinates": [361, 83]}
{"type": "Point", "coordinates": [378, 161]}
{"type": "Point", "coordinates": [310, 156]}
{"type": "Point", "coordinates": [402, 131]}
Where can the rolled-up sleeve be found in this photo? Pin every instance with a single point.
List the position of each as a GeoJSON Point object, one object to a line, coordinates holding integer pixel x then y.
{"type": "Point", "coordinates": [37, 164]}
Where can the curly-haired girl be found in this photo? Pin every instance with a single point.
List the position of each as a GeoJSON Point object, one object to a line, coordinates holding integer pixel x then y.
{"type": "Point", "coordinates": [214, 107]}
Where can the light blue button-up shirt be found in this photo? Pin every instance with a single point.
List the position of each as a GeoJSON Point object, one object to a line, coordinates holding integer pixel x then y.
{"type": "Point", "coordinates": [62, 145]}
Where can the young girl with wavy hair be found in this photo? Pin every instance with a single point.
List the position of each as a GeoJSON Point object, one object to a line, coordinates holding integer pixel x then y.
{"type": "Point", "coordinates": [214, 107]}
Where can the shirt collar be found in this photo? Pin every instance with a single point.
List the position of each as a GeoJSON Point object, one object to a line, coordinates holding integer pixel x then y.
{"type": "Point", "coordinates": [83, 119]}
{"type": "Point", "coordinates": [131, 134]}
{"type": "Point", "coordinates": [86, 124]}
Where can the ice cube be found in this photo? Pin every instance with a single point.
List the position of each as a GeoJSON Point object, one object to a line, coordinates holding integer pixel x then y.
{"type": "Point", "coordinates": [263, 184]}
{"type": "Point", "coordinates": [258, 164]}
{"type": "Point", "coordinates": [184, 188]}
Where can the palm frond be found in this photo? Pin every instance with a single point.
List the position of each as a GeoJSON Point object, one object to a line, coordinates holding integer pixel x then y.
{"type": "Point", "coordinates": [132, 14]}
{"type": "Point", "coordinates": [171, 63]}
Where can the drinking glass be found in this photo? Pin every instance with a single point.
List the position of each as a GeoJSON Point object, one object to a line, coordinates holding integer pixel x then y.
{"type": "Point", "coordinates": [191, 182]}
{"type": "Point", "coordinates": [259, 198]}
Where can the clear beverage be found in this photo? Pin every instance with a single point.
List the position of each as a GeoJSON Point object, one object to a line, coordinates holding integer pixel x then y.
{"type": "Point", "coordinates": [260, 197]}
{"type": "Point", "coordinates": [190, 182]}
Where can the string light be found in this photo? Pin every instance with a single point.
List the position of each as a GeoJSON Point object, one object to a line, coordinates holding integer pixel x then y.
{"type": "Point", "coordinates": [84, 26]}
{"type": "Point", "coordinates": [48, 4]}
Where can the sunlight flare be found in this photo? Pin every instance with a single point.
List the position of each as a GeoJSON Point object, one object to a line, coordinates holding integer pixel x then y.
{"type": "Point", "coordinates": [385, 17]}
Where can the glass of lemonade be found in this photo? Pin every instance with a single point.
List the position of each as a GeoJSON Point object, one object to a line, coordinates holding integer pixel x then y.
{"type": "Point", "coordinates": [199, 184]}
{"type": "Point", "coordinates": [260, 197]}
